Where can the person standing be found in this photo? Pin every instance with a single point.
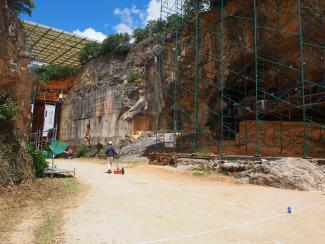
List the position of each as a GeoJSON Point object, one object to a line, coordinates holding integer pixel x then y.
{"type": "Point", "coordinates": [110, 153]}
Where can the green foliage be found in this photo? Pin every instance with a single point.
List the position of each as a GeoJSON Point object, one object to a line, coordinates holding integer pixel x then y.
{"type": "Point", "coordinates": [8, 109]}
{"type": "Point", "coordinates": [83, 151]}
{"type": "Point", "coordinates": [39, 162]}
{"type": "Point", "coordinates": [22, 6]}
{"type": "Point", "coordinates": [139, 35]}
{"type": "Point", "coordinates": [134, 77]}
{"type": "Point", "coordinates": [120, 43]}
{"type": "Point", "coordinates": [116, 44]}
{"type": "Point", "coordinates": [45, 73]}
{"type": "Point", "coordinates": [90, 51]}
{"type": "Point", "coordinates": [154, 27]}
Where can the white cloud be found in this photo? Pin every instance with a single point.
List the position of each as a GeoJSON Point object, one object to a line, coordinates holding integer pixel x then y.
{"type": "Point", "coordinates": [91, 33]}
{"type": "Point", "coordinates": [153, 10]}
{"type": "Point", "coordinates": [131, 18]}
{"type": "Point", "coordinates": [123, 28]}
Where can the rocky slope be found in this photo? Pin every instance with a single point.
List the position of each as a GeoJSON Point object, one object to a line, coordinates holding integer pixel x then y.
{"type": "Point", "coordinates": [286, 173]}
{"type": "Point", "coordinates": [15, 81]}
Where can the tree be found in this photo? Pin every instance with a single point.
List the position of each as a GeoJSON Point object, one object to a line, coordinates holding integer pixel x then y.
{"type": "Point", "coordinates": [191, 7]}
{"type": "Point", "coordinates": [22, 6]}
{"type": "Point", "coordinates": [116, 44]}
{"type": "Point", "coordinates": [155, 27]}
{"type": "Point", "coordinates": [91, 50]}
{"type": "Point", "coordinates": [173, 22]}
{"type": "Point", "coordinates": [139, 35]}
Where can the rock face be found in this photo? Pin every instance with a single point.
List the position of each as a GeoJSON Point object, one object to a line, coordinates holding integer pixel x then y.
{"type": "Point", "coordinates": [138, 146]}
{"type": "Point", "coordinates": [289, 173]}
{"type": "Point", "coordinates": [15, 77]}
{"type": "Point", "coordinates": [16, 82]}
{"type": "Point", "coordinates": [105, 105]}
{"type": "Point", "coordinates": [279, 93]}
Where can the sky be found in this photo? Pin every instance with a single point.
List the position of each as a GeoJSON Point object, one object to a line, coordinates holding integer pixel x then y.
{"type": "Point", "coordinates": [96, 18]}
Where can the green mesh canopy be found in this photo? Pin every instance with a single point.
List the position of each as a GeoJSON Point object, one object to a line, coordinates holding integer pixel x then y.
{"type": "Point", "coordinates": [58, 147]}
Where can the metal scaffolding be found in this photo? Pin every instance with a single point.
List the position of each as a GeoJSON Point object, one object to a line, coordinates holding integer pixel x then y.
{"type": "Point", "coordinates": [242, 77]}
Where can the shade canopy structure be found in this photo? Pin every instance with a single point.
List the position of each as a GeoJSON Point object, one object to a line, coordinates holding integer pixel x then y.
{"type": "Point", "coordinates": [53, 46]}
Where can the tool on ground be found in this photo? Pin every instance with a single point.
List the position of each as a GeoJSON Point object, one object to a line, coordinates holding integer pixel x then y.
{"type": "Point", "coordinates": [119, 171]}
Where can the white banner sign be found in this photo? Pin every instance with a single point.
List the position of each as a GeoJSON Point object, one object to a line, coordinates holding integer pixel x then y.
{"type": "Point", "coordinates": [49, 115]}
{"type": "Point", "coordinates": [169, 139]}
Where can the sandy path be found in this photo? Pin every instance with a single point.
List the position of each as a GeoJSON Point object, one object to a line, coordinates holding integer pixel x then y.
{"type": "Point", "coordinates": [151, 204]}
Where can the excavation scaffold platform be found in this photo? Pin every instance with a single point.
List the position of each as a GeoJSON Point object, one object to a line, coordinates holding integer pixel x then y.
{"type": "Point", "coordinates": [242, 77]}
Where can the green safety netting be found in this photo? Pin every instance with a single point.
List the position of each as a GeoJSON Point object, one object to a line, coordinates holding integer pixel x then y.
{"type": "Point", "coordinates": [58, 147]}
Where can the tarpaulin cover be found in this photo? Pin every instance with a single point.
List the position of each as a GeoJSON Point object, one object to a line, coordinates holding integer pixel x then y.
{"type": "Point", "coordinates": [58, 147]}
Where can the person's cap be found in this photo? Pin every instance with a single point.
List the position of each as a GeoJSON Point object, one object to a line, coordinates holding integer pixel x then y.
{"type": "Point", "coordinates": [110, 143]}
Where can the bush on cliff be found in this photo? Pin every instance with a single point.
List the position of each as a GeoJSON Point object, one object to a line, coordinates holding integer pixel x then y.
{"type": "Point", "coordinates": [116, 44]}
{"type": "Point", "coordinates": [134, 77]}
{"type": "Point", "coordinates": [139, 35]}
{"type": "Point", "coordinates": [90, 51]}
{"type": "Point", "coordinates": [8, 109]}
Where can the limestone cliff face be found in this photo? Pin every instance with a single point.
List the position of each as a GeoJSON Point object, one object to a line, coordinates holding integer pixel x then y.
{"type": "Point", "coordinates": [103, 105]}
{"type": "Point", "coordinates": [15, 81]}
{"type": "Point", "coordinates": [15, 77]}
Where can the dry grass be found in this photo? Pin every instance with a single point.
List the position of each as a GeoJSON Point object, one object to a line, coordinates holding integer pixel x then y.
{"type": "Point", "coordinates": [48, 196]}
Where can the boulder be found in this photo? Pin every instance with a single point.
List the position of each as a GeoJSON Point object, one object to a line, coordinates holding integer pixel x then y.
{"type": "Point", "coordinates": [186, 167]}
{"type": "Point", "coordinates": [289, 173]}
{"type": "Point", "coordinates": [138, 146]}
{"type": "Point", "coordinates": [232, 167]}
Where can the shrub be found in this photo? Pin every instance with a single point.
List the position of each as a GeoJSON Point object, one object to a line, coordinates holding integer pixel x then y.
{"type": "Point", "coordinates": [134, 77]}
{"type": "Point", "coordinates": [45, 73]}
{"type": "Point", "coordinates": [139, 35]}
{"type": "Point", "coordinates": [8, 109]}
{"type": "Point", "coordinates": [116, 44]}
{"type": "Point", "coordinates": [83, 151]}
{"type": "Point", "coordinates": [154, 27]}
{"type": "Point", "coordinates": [22, 6]}
{"type": "Point", "coordinates": [90, 51]}
{"type": "Point", "coordinates": [39, 162]}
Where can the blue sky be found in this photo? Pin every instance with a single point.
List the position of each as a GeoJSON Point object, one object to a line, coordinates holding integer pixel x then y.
{"type": "Point", "coordinates": [96, 18]}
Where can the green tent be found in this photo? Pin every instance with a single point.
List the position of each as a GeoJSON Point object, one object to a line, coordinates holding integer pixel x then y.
{"type": "Point", "coordinates": [58, 147]}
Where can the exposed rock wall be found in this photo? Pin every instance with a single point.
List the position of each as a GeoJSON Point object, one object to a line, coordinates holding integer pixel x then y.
{"type": "Point", "coordinates": [15, 77]}
{"type": "Point", "coordinates": [104, 106]}
{"type": "Point", "coordinates": [15, 81]}
{"type": "Point", "coordinates": [153, 98]}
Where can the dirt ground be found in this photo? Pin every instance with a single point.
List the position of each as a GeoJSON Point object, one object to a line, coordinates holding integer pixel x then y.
{"type": "Point", "coordinates": [32, 212]}
{"type": "Point", "coordinates": [152, 204]}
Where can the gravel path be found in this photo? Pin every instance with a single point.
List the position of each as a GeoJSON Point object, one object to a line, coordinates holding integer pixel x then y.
{"type": "Point", "coordinates": [156, 205]}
